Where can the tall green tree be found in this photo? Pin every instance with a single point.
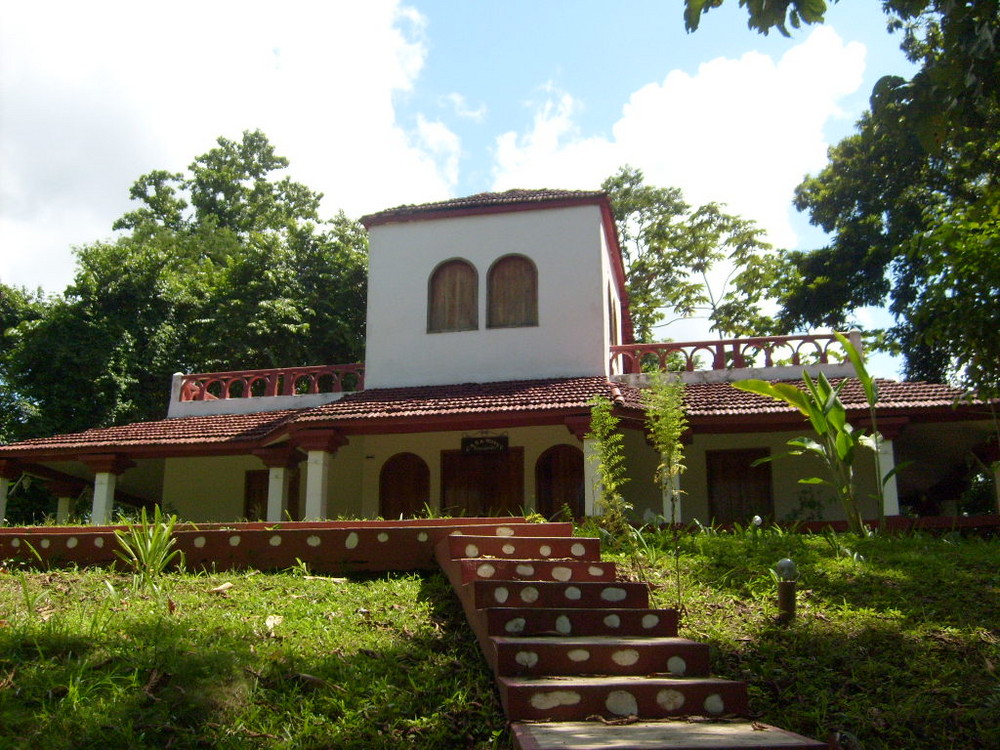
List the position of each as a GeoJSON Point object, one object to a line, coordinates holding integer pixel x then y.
{"type": "Point", "coordinates": [911, 199]}
{"type": "Point", "coordinates": [17, 306]}
{"type": "Point", "coordinates": [683, 261]}
{"type": "Point", "coordinates": [227, 267]}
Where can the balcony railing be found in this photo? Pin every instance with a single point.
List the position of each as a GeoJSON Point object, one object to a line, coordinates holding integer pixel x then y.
{"type": "Point", "coordinates": [732, 354]}
{"type": "Point", "coordinates": [281, 381]}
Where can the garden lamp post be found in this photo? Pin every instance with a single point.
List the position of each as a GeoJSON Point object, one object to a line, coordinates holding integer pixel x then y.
{"type": "Point", "coordinates": [787, 574]}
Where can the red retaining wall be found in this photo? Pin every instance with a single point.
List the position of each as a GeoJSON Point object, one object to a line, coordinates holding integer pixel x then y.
{"type": "Point", "coordinates": [326, 546]}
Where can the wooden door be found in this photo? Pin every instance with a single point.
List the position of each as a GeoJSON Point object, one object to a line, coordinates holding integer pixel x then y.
{"type": "Point", "coordinates": [738, 491]}
{"type": "Point", "coordinates": [404, 486]}
{"type": "Point", "coordinates": [483, 484]}
{"type": "Point", "coordinates": [255, 494]}
{"type": "Point", "coordinates": [559, 481]}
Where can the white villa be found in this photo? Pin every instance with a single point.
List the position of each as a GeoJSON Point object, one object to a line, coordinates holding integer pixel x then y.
{"type": "Point", "coordinates": [492, 321]}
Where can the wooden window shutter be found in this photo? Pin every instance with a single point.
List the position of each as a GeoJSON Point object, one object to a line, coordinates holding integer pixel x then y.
{"type": "Point", "coordinates": [512, 288]}
{"type": "Point", "coordinates": [453, 301]}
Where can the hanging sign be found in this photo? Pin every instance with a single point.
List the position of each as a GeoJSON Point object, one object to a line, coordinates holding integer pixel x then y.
{"type": "Point", "coordinates": [484, 444]}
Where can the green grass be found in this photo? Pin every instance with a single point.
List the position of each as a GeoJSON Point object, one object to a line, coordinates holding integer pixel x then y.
{"type": "Point", "coordinates": [896, 642]}
{"type": "Point", "coordinates": [367, 663]}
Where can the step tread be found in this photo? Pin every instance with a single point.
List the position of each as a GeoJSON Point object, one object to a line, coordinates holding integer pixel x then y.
{"type": "Point", "coordinates": [551, 570]}
{"type": "Point", "coordinates": [613, 681]}
{"type": "Point", "coordinates": [595, 640]}
{"type": "Point", "coordinates": [546, 623]}
{"type": "Point", "coordinates": [524, 547]}
{"type": "Point", "coordinates": [658, 735]}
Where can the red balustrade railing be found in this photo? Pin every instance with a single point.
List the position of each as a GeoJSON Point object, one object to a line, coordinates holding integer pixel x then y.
{"type": "Point", "coordinates": [759, 351]}
{"type": "Point", "coordinates": [280, 381]}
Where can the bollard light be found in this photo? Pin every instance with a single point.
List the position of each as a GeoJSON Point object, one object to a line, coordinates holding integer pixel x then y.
{"type": "Point", "coordinates": [787, 573]}
{"type": "Point", "coordinates": [786, 570]}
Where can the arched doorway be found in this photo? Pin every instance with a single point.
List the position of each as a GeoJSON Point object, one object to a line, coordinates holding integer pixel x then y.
{"type": "Point", "coordinates": [404, 486]}
{"type": "Point", "coordinates": [559, 481]}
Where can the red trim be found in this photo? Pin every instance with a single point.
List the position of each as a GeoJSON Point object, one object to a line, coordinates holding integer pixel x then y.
{"type": "Point", "coordinates": [428, 213]}
{"type": "Point", "coordinates": [281, 456]}
{"type": "Point", "coordinates": [578, 426]}
{"type": "Point", "coordinates": [107, 463]}
{"type": "Point", "coordinates": [329, 440]}
{"type": "Point", "coordinates": [65, 487]}
{"type": "Point", "coordinates": [617, 268]}
{"type": "Point", "coordinates": [10, 469]}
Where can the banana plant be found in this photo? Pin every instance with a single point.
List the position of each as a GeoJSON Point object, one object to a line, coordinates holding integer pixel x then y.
{"type": "Point", "coordinates": [835, 442]}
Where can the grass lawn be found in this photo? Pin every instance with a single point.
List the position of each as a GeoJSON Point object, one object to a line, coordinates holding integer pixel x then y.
{"type": "Point", "coordinates": [897, 642]}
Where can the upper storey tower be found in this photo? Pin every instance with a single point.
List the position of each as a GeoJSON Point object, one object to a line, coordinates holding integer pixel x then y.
{"type": "Point", "coordinates": [523, 284]}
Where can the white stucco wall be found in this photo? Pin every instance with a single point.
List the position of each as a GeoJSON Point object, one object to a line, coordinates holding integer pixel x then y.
{"type": "Point", "coordinates": [567, 247]}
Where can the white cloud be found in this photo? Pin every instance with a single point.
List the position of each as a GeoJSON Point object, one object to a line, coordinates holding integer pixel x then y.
{"type": "Point", "coordinates": [460, 106]}
{"type": "Point", "coordinates": [743, 132]}
{"type": "Point", "coordinates": [443, 144]}
{"type": "Point", "coordinates": [92, 96]}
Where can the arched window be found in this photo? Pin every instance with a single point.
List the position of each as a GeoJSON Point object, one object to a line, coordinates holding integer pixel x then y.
{"type": "Point", "coordinates": [512, 293]}
{"type": "Point", "coordinates": [452, 298]}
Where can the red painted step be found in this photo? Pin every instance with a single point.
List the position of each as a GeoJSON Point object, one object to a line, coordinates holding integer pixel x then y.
{"type": "Point", "coordinates": [524, 547]}
{"type": "Point", "coordinates": [622, 595]}
{"type": "Point", "coordinates": [600, 655]}
{"type": "Point", "coordinates": [526, 621]}
{"type": "Point", "coordinates": [617, 697]}
{"type": "Point", "coordinates": [484, 569]}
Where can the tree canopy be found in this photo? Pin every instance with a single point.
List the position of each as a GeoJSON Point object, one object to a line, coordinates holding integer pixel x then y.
{"type": "Point", "coordinates": [226, 267]}
{"type": "Point", "coordinates": [911, 198]}
{"type": "Point", "coordinates": [689, 262]}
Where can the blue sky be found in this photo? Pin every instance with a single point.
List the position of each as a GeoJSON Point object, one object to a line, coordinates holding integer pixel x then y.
{"type": "Point", "coordinates": [388, 102]}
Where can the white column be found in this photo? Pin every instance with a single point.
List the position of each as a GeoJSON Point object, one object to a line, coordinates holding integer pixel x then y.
{"type": "Point", "coordinates": [4, 489]}
{"type": "Point", "coordinates": [591, 479]}
{"type": "Point", "coordinates": [63, 507]}
{"type": "Point", "coordinates": [317, 484]}
{"type": "Point", "coordinates": [890, 493]}
{"type": "Point", "coordinates": [279, 480]}
{"type": "Point", "coordinates": [104, 498]}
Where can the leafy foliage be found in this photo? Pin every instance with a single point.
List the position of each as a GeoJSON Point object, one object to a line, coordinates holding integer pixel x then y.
{"type": "Point", "coordinates": [912, 198]}
{"type": "Point", "coordinates": [666, 423]}
{"type": "Point", "coordinates": [148, 547]}
{"type": "Point", "coordinates": [687, 261]}
{"type": "Point", "coordinates": [837, 440]}
{"type": "Point", "coordinates": [611, 471]}
{"type": "Point", "coordinates": [764, 14]}
{"type": "Point", "coordinates": [227, 268]}
{"type": "Point", "coordinates": [17, 306]}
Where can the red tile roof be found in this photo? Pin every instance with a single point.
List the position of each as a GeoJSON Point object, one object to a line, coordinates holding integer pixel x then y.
{"type": "Point", "coordinates": [706, 403]}
{"type": "Point", "coordinates": [215, 430]}
{"type": "Point", "coordinates": [509, 200]}
{"type": "Point", "coordinates": [470, 398]}
{"type": "Point", "coordinates": [721, 399]}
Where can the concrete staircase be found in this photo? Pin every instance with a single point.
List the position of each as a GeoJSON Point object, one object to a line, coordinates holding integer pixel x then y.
{"type": "Point", "coordinates": [581, 661]}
